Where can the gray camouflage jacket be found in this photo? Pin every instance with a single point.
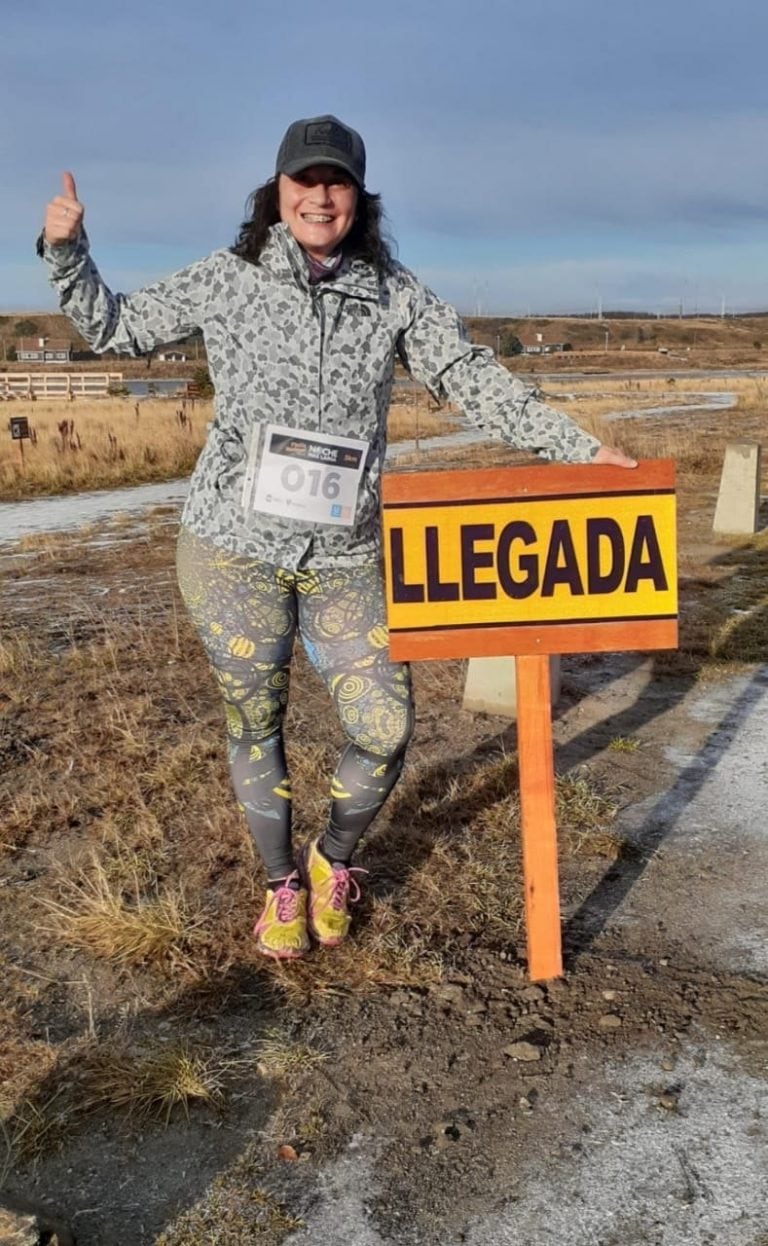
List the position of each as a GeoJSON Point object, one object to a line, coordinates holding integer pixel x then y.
{"type": "Point", "coordinates": [313, 357]}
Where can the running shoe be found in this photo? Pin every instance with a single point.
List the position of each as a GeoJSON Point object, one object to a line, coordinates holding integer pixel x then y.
{"type": "Point", "coordinates": [332, 888]}
{"type": "Point", "coordinates": [281, 931]}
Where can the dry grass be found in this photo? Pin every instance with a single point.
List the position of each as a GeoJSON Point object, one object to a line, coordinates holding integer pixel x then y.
{"type": "Point", "coordinates": [16, 655]}
{"type": "Point", "coordinates": [417, 417]}
{"type": "Point", "coordinates": [92, 444]}
{"type": "Point", "coordinates": [724, 614]}
{"type": "Point", "coordinates": [23, 1063]}
{"type": "Point", "coordinates": [236, 1209]}
{"type": "Point", "coordinates": [88, 1078]}
{"type": "Point", "coordinates": [152, 1082]}
{"type": "Point", "coordinates": [593, 400]}
{"type": "Point", "coordinates": [132, 929]}
{"type": "Point", "coordinates": [738, 613]}
{"type": "Point", "coordinates": [624, 744]}
{"type": "Point", "coordinates": [695, 442]}
{"type": "Point", "coordinates": [584, 816]}
{"type": "Point", "coordinates": [89, 444]}
{"type": "Point", "coordinates": [698, 445]}
{"type": "Point", "coordinates": [118, 815]}
{"type": "Point", "coordinates": [36, 1129]}
{"type": "Point", "coordinates": [280, 1057]}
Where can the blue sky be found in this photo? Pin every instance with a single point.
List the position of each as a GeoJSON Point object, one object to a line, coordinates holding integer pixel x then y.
{"type": "Point", "coordinates": [539, 156]}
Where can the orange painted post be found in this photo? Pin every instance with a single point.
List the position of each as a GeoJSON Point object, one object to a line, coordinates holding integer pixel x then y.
{"type": "Point", "coordinates": [531, 561]}
{"type": "Point", "coordinates": [539, 830]}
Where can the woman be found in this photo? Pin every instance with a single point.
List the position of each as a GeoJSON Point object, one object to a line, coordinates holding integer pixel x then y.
{"type": "Point", "coordinates": [303, 319]}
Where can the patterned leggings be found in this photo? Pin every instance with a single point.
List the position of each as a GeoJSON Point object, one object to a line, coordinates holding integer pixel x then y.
{"type": "Point", "coordinates": [247, 613]}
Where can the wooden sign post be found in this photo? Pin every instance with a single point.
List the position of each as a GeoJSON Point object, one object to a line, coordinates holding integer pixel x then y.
{"type": "Point", "coordinates": [532, 561]}
{"type": "Point", "coordinates": [19, 428]}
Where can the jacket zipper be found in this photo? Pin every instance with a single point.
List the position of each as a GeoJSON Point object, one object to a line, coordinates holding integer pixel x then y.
{"type": "Point", "coordinates": [320, 311]}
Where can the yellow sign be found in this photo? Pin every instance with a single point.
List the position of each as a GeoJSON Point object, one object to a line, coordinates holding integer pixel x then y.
{"type": "Point", "coordinates": [537, 547]}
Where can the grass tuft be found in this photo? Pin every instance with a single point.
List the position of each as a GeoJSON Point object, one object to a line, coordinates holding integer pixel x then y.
{"type": "Point", "coordinates": [279, 1057]}
{"type": "Point", "coordinates": [132, 930]}
{"type": "Point", "coordinates": [153, 1082]}
{"type": "Point", "coordinates": [624, 744]}
{"type": "Point", "coordinates": [17, 656]}
{"type": "Point", "coordinates": [583, 816]}
{"type": "Point", "coordinates": [36, 1129]}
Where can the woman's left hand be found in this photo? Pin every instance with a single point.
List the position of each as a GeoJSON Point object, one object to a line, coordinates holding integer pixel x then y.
{"type": "Point", "coordinates": [610, 456]}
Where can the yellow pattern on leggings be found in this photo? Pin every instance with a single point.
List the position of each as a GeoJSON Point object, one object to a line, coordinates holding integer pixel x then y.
{"type": "Point", "coordinates": [247, 614]}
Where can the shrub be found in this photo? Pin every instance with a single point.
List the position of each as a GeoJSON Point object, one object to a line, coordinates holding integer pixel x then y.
{"type": "Point", "coordinates": [201, 380]}
{"type": "Point", "coordinates": [509, 344]}
{"type": "Point", "coordinates": [25, 328]}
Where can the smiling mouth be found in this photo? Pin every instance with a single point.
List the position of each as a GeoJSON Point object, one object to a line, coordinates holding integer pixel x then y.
{"type": "Point", "coordinates": [314, 219]}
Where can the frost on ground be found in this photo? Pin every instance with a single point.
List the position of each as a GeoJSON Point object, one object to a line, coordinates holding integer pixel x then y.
{"type": "Point", "coordinates": [679, 1168]}
{"type": "Point", "coordinates": [652, 1162]}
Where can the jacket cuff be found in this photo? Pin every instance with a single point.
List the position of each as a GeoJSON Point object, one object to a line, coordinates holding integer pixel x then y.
{"type": "Point", "coordinates": [582, 448]}
{"type": "Point", "coordinates": [64, 255]}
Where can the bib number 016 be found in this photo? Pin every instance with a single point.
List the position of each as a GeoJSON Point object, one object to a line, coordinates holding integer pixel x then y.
{"type": "Point", "coordinates": [303, 475]}
{"type": "Point", "coordinates": [313, 481]}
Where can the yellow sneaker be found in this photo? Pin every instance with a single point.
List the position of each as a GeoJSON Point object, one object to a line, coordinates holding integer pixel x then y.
{"type": "Point", "coordinates": [281, 931]}
{"type": "Point", "coordinates": [331, 889]}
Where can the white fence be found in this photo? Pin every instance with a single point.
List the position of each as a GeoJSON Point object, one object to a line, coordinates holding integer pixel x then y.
{"type": "Point", "coordinates": [58, 384]}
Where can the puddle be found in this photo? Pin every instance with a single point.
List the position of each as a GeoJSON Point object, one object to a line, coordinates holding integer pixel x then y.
{"type": "Point", "coordinates": [164, 387]}
{"type": "Point", "coordinates": [465, 437]}
{"type": "Point", "coordinates": [701, 403]}
{"type": "Point", "coordinates": [71, 510]}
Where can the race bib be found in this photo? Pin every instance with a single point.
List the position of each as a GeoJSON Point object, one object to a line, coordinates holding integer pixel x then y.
{"type": "Point", "coordinates": [309, 476]}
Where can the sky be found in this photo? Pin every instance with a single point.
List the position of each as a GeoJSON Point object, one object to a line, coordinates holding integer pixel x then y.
{"type": "Point", "coordinates": [549, 156]}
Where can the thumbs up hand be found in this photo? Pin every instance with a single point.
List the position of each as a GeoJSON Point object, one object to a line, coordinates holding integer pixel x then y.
{"type": "Point", "coordinates": [64, 214]}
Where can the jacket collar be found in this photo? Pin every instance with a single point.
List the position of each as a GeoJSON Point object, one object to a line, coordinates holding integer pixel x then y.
{"type": "Point", "coordinates": [283, 258]}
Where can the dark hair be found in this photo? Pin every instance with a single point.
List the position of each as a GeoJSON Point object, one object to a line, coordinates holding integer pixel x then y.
{"type": "Point", "coordinates": [365, 240]}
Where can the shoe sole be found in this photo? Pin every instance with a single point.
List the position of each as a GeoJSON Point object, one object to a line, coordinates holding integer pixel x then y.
{"type": "Point", "coordinates": [293, 954]}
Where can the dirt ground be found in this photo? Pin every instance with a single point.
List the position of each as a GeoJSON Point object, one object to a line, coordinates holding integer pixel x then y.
{"type": "Point", "coordinates": [415, 1087]}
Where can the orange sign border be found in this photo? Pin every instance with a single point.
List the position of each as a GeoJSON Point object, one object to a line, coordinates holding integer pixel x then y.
{"type": "Point", "coordinates": [652, 476]}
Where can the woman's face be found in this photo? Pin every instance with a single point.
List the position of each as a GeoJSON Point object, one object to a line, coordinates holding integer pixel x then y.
{"type": "Point", "coordinates": [318, 205]}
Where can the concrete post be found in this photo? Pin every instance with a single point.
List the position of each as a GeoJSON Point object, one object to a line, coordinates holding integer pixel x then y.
{"type": "Point", "coordinates": [738, 502]}
{"type": "Point", "coordinates": [491, 687]}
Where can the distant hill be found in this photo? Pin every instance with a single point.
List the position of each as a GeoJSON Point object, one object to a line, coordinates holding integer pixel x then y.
{"type": "Point", "coordinates": [702, 340]}
{"type": "Point", "coordinates": [588, 333]}
{"type": "Point", "coordinates": [706, 340]}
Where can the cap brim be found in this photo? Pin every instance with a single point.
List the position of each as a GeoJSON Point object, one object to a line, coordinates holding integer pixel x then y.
{"type": "Point", "coordinates": [303, 162]}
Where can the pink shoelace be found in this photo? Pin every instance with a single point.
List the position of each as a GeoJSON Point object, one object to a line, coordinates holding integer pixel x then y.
{"type": "Point", "coordinates": [286, 906]}
{"type": "Point", "coordinates": [287, 903]}
{"type": "Point", "coordinates": [344, 886]}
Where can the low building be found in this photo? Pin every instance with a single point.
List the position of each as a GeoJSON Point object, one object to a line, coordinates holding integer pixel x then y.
{"type": "Point", "coordinates": [539, 345]}
{"type": "Point", "coordinates": [43, 350]}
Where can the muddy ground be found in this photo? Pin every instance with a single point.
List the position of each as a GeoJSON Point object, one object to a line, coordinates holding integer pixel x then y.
{"type": "Point", "coordinates": [435, 1094]}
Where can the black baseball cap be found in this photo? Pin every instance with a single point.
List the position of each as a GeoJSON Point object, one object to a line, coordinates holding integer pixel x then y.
{"type": "Point", "coordinates": [322, 140]}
